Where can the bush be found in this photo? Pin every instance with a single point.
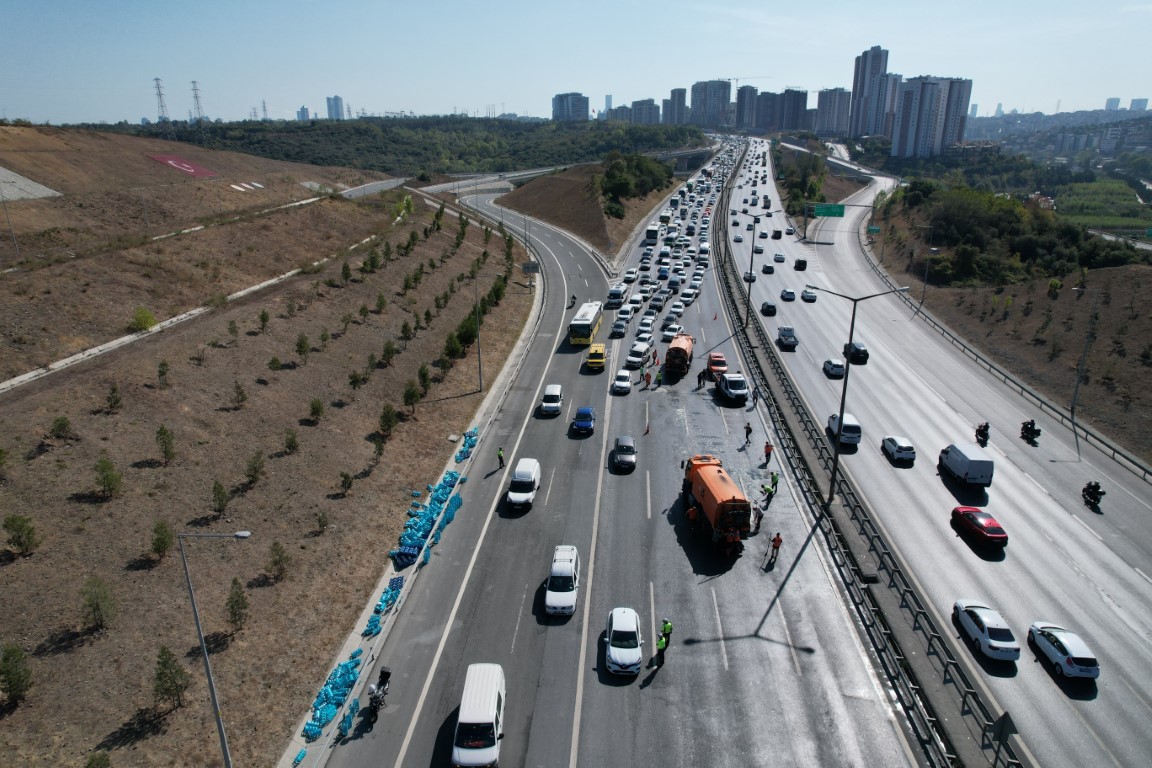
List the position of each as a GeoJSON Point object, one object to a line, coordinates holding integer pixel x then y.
{"type": "Point", "coordinates": [316, 409]}
{"type": "Point", "coordinates": [388, 420]}
{"type": "Point", "coordinates": [61, 428]}
{"type": "Point", "coordinates": [171, 680]}
{"type": "Point", "coordinates": [453, 349]}
{"type": "Point", "coordinates": [99, 605]}
{"type": "Point", "coordinates": [98, 760]}
{"type": "Point", "coordinates": [166, 441]}
{"type": "Point", "coordinates": [142, 320]}
{"type": "Point", "coordinates": [220, 498]}
{"type": "Point", "coordinates": [113, 400]}
{"type": "Point", "coordinates": [109, 480]}
{"type": "Point", "coordinates": [274, 364]}
{"type": "Point", "coordinates": [15, 675]}
{"type": "Point", "coordinates": [425, 377]}
{"type": "Point", "coordinates": [278, 561]}
{"type": "Point", "coordinates": [254, 470]}
{"type": "Point", "coordinates": [237, 606]}
{"type": "Point", "coordinates": [291, 442]}
{"type": "Point", "coordinates": [162, 539]}
{"type": "Point", "coordinates": [21, 534]}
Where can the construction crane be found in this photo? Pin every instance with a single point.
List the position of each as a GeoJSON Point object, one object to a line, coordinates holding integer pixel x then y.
{"type": "Point", "coordinates": [736, 80]}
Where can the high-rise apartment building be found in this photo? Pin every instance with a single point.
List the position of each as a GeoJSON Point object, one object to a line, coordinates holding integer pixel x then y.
{"type": "Point", "coordinates": [677, 113]}
{"type": "Point", "coordinates": [571, 107]}
{"type": "Point", "coordinates": [1112, 104]}
{"type": "Point", "coordinates": [645, 112]}
{"type": "Point", "coordinates": [302, 114]}
{"type": "Point", "coordinates": [1138, 105]}
{"type": "Point", "coordinates": [972, 112]}
{"type": "Point", "coordinates": [931, 113]}
{"type": "Point", "coordinates": [867, 110]}
{"type": "Point", "coordinates": [335, 108]}
{"type": "Point", "coordinates": [832, 110]}
{"type": "Point", "coordinates": [794, 110]}
{"type": "Point", "coordinates": [768, 111]}
{"type": "Point", "coordinates": [746, 106]}
{"type": "Point", "coordinates": [710, 101]}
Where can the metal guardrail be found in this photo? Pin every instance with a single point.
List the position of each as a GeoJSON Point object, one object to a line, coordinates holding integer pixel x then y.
{"type": "Point", "coordinates": [926, 727]}
{"type": "Point", "coordinates": [1102, 443]}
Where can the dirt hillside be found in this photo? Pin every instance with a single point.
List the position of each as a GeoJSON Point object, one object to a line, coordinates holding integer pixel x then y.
{"type": "Point", "coordinates": [226, 407]}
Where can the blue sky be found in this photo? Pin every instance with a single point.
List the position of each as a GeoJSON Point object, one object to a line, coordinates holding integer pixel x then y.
{"type": "Point", "coordinates": [64, 61]}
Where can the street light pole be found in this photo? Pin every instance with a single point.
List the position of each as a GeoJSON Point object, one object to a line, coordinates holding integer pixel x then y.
{"type": "Point", "coordinates": [751, 274]}
{"type": "Point", "coordinates": [200, 632]}
{"type": "Point", "coordinates": [844, 388]}
{"type": "Point", "coordinates": [479, 357]}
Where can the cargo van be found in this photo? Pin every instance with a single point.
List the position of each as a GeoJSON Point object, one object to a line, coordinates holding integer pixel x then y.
{"type": "Point", "coordinates": [553, 401]}
{"type": "Point", "coordinates": [525, 483]}
{"type": "Point", "coordinates": [616, 296]}
{"type": "Point", "coordinates": [849, 433]}
{"type": "Point", "coordinates": [563, 581]}
{"type": "Point", "coordinates": [596, 357]}
{"type": "Point", "coordinates": [968, 463]}
{"type": "Point", "coordinates": [480, 725]}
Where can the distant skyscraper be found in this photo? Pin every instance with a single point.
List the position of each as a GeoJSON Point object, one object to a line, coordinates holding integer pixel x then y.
{"type": "Point", "coordinates": [794, 110]}
{"type": "Point", "coordinates": [972, 111]}
{"type": "Point", "coordinates": [608, 102]}
{"type": "Point", "coordinates": [746, 106]}
{"type": "Point", "coordinates": [1112, 104]}
{"type": "Point", "coordinates": [645, 112]}
{"type": "Point", "coordinates": [710, 101]}
{"type": "Point", "coordinates": [335, 108]}
{"type": "Point", "coordinates": [832, 109]}
{"type": "Point", "coordinates": [768, 111]}
{"type": "Point", "coordinates": [1138, 105]}
{"type": "Point", "coordinates": [931, 114]}
{"type": "Point", "coordinates": [867, 110]}
{"type": "Point", "coordinates": [999, 110]}
{"type": "Point", "coordinates": [302, 114]}
{"type": "Point", "coordinates": [679, 106]}
{"type": "Point", "coordinates": [570, 108]}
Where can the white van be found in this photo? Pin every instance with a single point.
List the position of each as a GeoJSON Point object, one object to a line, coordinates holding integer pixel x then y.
{"type": "Point", "coordinates": [553, 401]}
{"type": "Point", "coordinates": [525, 483]}
{"type": "Point", "coordinates": [563, 581]}
{"type": "Point", "coordinates": [480, 726]}
{"type": "Point", "coordinates": [851, 432]}
{"type": "Point", "coordinates": [968, 463]}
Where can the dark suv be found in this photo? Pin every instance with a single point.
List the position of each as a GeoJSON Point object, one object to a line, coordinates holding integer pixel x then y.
{"type": "Point", "coordinates": [856, 352]}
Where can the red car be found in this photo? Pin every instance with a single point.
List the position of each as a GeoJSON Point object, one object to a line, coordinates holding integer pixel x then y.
{"type": "Point", "coordinates": [980, 525]}
{"type": "Point", "coordinates": [717, 365]}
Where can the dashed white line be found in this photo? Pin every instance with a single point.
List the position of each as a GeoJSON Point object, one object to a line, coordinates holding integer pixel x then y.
{"type": "Point", "coordinates": [720, 631]}
{"type": "Point", "coordinates": [648, 492]}
{"type": "Point", "coordinates": [1085, 526]}
{"type": "Point", "coordinates": [519, 615]}
{"type": "Point", "coordinates": [1143, 575]}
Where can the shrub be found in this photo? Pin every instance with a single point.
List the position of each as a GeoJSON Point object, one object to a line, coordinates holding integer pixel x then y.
{"type": "Point", "coordinates": [425, 377]}
{"type": "Point", "coordinates": [278, 561]}
{"type": "Point", "coordinates": [274, 364]}
{"type": "Point", "coordinates": [406, 332]}
{"type": "Point", "coordinates": [237, 606]}
{"type": "Point", "coordinates": [98, 760]}
{"type": "Point", "coordinates": [254, 469]}
{"type": "Point", "coordinates": [162, 539]}
{"type": "Point", "coordinates": [388, 352]}
{"type": "Point", "coordinates": [61, 428]}
{"type": "Point", "coordinates": [411, 394]}
{"type": "Point", "coordinates": [239, 396]}
{"type": "Point", "coordinates": [453, 350]}
{"type": "Point", "coordinates": [264, 318]}
{"type": "Point", "coordinates": [171, 680]}
{"type": "Point", "coordinates": [291, 442]}
{"type": "Point", "coordinates": [162, 374]}
{"type": "Point", "coordinates": [142, 320]}
{"type": "Point", "coordinates": [99, 605]}
{"type": "Point", "coordinates": [388, 420]}
{"type": "Point", "coordinates": [345, 483]}
{"type": "Point", "coordinates": [325, 337]}
{"type": "Point", "coordinates": [167, 444]}
{"type": "Point", "coordinates": [21, 534]}
{"type": "Point", "coordinates": [113, 400]}
{"type": "Point", "coordinates": [381, 303]}
{"type": "Point", "coordinates": [108, 478]}
{"type": "Point", "coordinates": [316, 409]}
{"type": "Point", "coordinates": [303, 347]}
{"type": "Point", "coordinates": [234, 331]}
{"type": "Point", "coordinates": [220, 498]}
{"type": "Point", "coordinates": [15, 674]}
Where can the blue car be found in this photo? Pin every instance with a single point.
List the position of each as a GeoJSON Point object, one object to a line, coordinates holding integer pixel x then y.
{"type": "Point", "coordinates": [584, 422]}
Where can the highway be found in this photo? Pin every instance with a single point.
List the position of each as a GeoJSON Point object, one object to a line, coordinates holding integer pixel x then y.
{"type": "Point", "coordinates": [1064, 563]}
{"type": "Point", "coordinates": [765, 663]}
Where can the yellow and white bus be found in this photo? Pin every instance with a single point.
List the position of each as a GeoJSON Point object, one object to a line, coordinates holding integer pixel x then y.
{"type": "Point", "coordinates": [583, 328]}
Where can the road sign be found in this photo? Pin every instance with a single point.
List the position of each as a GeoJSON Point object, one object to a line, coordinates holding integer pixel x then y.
{"type": "Point", "coordinates": [873, 230]}
{"type": "Point", "coordinates": [827, 209]}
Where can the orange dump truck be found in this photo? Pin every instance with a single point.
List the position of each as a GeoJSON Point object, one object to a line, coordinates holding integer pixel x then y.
{"type": "Point", "coordinates": [717, 497]}
{"type": "Point", "coordinates": [679, 357]}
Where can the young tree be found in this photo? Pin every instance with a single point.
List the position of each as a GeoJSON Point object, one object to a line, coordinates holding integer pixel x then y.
{"type": "Point", "coordinates": [264, 318]}
{"type": "Point", "coordinates": [325, 337]}
{"type": "Point", "coordinates": [346, 319]}
{"type": "Point", "coordinates": [108, 478]}
{"type": "Point", "coordinates": [406, 331]}
{"type": "Point", "coordinates": [452, 347]}
{"type": "Point", "coordinates": [21, 534]}
{"type": "Point", "coordinates": [254, 470]}
{"type": "Point", "coordinates": [162, 539]}
{"type": "Point", "coordinates": [356, 379]}
{"type": "Point", "coordinates": [427, 318]}
{"type": "Point", "coordinates": [220, 498]}
{"type": "Point", "coordinates": [321, 521]}
{"type": "Point", "coordinates": [239, 396]}
{"type": "Point", "coordinates": [388, 352]}
{"type": "Point", "coordinates": [162, 374]}
{"type": "Point", "coordinates": [278, 560]}
{"type": "Point", "coordinates": [237, 606]}
{"type": "Point", "coordinates": [345, 273]}
{"type": "Point", "coordinates": [291, 442]}
{"type": "Point", "coordinates": [381, 303]}
{"type": "Point", "coordinates": [98, 760]}
{"type": "Point", "coordinates": [425, 376]}
{"type": "Point", "coordinates": [316, 409]}
{"type": "Point", "coordinates": [388, 420]}
{"type": "Point", "coordinates": [234, 332]}
{"type": "Point", "coordinates": [370, 365]}
{"type": "Point", "coordinates": [411, 395]}
{"type": "Point", "coordinates": [99, 605]}
{"type": "Point", "coordinates": [61, 428]}
{"type": "Point", "coordinates": [167, 444]}
{"type": "Point", "coordinates": [303, 347]}
{"type": "Point", "coordinates": [345, 483]}
{"type": "Point", "coordinates": [15, 674]}
{"type": "Point", "coordinates": [274, 364]}
{"type": "Point", "coordinates": [142, 320]}
{"type": "Point", "coordinates": [113, 400]}
{"type": "Point", "coordinates": [364, 312]}
{"type": "Point", "coordinates": [171, 680]}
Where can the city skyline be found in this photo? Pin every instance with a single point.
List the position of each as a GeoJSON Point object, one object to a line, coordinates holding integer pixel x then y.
{"type": "Point", "coordinates": [70, 62]}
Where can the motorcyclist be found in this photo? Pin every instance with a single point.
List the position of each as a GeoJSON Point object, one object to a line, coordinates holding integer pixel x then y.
{"type": "Point", "coordinates": [1093, 492]}
{"type": "Point", "coordinates": [982, 431]}
{"type": "Point", "coordinates": [572, 301]}
{"type": "Point", "coordinates": [1029, 427]}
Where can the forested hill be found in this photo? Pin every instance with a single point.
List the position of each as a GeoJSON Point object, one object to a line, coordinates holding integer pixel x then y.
{"type": "Point", "coordinates": [411, 146]}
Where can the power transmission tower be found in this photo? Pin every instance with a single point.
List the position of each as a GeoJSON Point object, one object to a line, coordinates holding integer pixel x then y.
{"type": "Point", "coordinates": [196, 109]}
{"type": "Point", "coordinates": [162, 110]}
{"type": "Point", "coordinates": [264, 106]}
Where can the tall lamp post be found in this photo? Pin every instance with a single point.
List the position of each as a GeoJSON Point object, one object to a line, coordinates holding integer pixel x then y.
{"type": "Point", "coordinates": [751, 275]}
{"type": "Point", "coordinates": [844, 388]}
{"type": "Point", "coordinates": [200, 633]}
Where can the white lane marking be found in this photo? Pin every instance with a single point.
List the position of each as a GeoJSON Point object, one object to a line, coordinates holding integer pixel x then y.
{"type": "Point", "coordinates": [648, 492]}
{"type": "Point", "coordinates": [1084, 525]}
{"type": "Point", "coordinates": [1143, 575]}
{"type": "Point", "coordinates": [519, 615]}
{"type": "Point", "coordinates": [720, 630]}
{"type": "Point", "coordinates": [652, 611]}
{"type": "Point", "coordinates": [791, 645]}
{"type": "Point", "coordinates": [548, 493]}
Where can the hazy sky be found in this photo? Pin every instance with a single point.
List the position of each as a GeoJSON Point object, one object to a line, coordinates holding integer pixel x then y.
{"type": "Point", "coordinates": [64, 61]}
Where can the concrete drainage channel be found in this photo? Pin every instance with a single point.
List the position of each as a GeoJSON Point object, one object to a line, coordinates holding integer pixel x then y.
{"type": "Point", "coordinates": [956, 730]}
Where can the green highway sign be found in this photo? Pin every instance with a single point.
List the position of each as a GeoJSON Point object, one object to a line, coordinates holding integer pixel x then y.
{"type": "Point", "coordinates": [827, 209]}
{"type": "Point", "coordinates": [873, 230]}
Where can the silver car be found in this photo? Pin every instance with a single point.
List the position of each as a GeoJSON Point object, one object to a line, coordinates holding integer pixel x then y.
{"type": "Point", "coordinates": [1066, 652]}
{"type": "Point", "coordinates": [986, 629]}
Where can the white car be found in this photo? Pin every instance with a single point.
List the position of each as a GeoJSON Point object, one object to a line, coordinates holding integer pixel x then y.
{"type": "Point", "coordinates": [637, 355]}
{"type": "Point", "coordinates": [1066, 652]}
{"type": "Point", "coordinates": [688, 295]}
{"type": "Point", "coordinates": [631, 275]}
{"type": "Point", "coordinates": [986, 629]}
{"type": "Point", "coordinates": [676, 309]}
{"type": "Point", "coordinates": [834, 368]}
{"type": "Point", "coordinates": [645, 326]}
{"type": "Point", "coordinates": [622, 384]}
{"type": "Point", "coordinates": [898, 448]}
{"type": "Point", "coordinates": [623, 654]}
{"type": "Point", "coordinates": [808, 295]}
{"type": "Point", "coordinates": [625, 313]}
{"type": "Point", "coordinates": [778, 258]}
{"type": "Point", "coordinates": [788, 295]}
{"type": "Point", "coordinates": [738, 238]}
{"type": "Point", "coordinates": [671, 331]}
{"type": "Point", "coordinates": [645, 337]}
{"type": "Point", "coordinates": [649, 313]}
{"type": "Point", "coordinates": [694, 285]}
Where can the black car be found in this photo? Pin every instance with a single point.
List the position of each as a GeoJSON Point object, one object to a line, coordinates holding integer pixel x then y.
{"type": "Point", "coordinates": [801, 265]}
{"type": "Point", "coordinates": [768, 309]}
{"type": "Point", "coordinates": [767, 269]}
{"type": "Point", "coordinates": [856, 352]}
